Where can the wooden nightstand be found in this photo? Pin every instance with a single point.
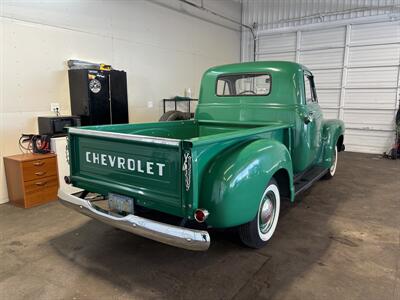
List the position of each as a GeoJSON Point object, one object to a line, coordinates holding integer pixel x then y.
{"type": "Point", "coordinates": [32, 179]}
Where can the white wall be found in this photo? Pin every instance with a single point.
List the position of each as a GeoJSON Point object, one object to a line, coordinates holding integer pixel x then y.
{"type": "Point", "coordinates": [163, 50]}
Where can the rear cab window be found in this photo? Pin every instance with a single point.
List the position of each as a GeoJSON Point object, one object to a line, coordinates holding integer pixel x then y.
{"type": "Point", "coordinates": [243, 85]}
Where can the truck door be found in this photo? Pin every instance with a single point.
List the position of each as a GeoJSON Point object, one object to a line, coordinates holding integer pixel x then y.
{"type": "Point", "coordinates": [313, 120]}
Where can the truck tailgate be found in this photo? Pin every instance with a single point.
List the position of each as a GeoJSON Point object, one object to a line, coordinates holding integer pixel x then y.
{"type": "Point", "coordinates": [147, 169]}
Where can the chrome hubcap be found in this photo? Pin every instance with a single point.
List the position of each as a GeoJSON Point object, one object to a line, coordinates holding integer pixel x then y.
{"type": "Point", "coordinates": [267, 212]}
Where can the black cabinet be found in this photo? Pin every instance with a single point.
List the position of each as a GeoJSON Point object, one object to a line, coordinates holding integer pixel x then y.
{"type": "Point", "coordinates": [99, 97]}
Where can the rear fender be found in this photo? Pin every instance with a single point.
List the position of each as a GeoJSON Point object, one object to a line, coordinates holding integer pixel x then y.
{"type": "Point", "coordinates": [234, 182]}
{"type": "Point", "coordinates": [332, 130]}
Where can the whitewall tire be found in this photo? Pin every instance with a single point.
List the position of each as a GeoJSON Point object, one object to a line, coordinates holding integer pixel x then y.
{"type": "Point", "coordinates": [259, 231]}
{"type": "Point", "coordinates": [332, 170]}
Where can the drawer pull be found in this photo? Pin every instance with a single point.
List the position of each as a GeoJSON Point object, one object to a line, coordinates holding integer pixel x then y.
{"type": "Point", "coordinates": [40, 173]}
{"type": "Point", "coordinates": [38, 163]}
{"type": "Point", "coordinates": [41, 183]}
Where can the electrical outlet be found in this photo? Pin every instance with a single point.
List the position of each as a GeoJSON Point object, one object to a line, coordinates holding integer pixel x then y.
{"type": "Point", "coordinates": [150, 104]}
{"type": "Point", "coordinates": [55, 107]}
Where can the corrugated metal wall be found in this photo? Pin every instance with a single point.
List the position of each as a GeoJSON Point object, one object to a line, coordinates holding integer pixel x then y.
{"type": "Point", "coordinates": [288, 13]}
{"type": "Point", "coordinates": [356, 64]}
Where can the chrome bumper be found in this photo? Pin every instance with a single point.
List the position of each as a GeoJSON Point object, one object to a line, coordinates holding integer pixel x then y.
{"type": "Point", "coordinates": [190, 239]}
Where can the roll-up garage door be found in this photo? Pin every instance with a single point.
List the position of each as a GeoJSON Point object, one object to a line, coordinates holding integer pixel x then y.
{"type": "Point", "coordinates": [356, 68]}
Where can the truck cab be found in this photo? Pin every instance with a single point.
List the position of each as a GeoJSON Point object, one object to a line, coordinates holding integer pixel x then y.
{"type": "Point", "coordinates": [258, 138]}
{"type": "Point", "coordinates": [268, 93]}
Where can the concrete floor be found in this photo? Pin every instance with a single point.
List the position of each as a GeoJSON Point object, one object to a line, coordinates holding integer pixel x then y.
{"type": "Point", "coordinates": [340, 241]}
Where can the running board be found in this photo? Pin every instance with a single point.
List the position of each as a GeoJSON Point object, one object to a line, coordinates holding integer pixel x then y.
{"type": "Point", "coordinates": [308, 178]}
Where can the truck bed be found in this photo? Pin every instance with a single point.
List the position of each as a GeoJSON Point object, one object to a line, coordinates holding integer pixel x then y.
{"type": "Point", "coordinates": [145, 161]}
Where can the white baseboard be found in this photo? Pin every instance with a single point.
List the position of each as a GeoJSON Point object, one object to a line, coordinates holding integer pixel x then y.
{"type": "Point", "coordinates": [4, 200]}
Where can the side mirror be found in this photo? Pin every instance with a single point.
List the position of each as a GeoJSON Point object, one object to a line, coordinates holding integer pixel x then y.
{"type": "Point", "coordinates": [308, 118]}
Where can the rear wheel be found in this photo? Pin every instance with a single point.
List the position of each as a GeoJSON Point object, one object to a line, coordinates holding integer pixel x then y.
{"type": "Point", "coordinates": [257, 232]}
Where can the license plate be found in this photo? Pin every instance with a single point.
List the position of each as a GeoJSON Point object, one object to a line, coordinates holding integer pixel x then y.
{"type": "Point", "coordinates": [120, 203]}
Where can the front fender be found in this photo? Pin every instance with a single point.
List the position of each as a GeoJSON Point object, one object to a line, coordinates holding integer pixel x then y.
{"type": "Point", "coordinates": [234, 182]}
{"type": "Point", "coordinates": [331, 131]}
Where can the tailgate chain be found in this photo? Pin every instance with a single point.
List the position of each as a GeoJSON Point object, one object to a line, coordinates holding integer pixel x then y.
{"type": "Point", "coordinates": [187, 168]}
{"type": "Point", "coordinates": [67, 149]}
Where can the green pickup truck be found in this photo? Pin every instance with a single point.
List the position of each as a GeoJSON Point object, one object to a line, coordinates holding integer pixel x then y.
{"type": "Point", "coordinates": [258, 138]}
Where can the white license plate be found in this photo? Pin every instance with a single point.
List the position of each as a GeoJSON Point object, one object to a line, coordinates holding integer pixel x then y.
{"type": "Point", "coordinates": [120, 203]}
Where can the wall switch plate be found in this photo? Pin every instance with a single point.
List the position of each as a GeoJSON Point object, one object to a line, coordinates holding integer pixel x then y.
{"type": "Point", "coordinates": [150, 104]}
{"type": "Point", "coordinates": [55, 107]}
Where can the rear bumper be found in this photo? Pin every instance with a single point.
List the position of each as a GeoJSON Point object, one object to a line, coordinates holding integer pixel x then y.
{"type": "Point", "coordinates": [190, 239]}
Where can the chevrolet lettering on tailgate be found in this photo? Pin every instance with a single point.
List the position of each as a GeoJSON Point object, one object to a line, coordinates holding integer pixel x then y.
{"type": "Point", "coordinates": [148, 167]}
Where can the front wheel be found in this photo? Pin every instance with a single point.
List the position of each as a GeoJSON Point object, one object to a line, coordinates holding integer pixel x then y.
{"type": "Point", "coordinates": [332, 170]}
{"type": "Point", "coordinates": [257, 232]}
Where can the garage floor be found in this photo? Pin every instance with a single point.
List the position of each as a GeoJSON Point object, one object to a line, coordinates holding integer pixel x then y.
{"type": "Point", "coordinates": [341, 241]}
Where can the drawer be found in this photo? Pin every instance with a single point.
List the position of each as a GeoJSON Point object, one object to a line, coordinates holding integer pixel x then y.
{"type": "Point", "coordinates": [41, 197]}
{"type": "Point", "coordinates": [41, 191]}
{"type": "Point", "coordinates": [40, 184]}
{"type": "Point", "coordinates": [39, 168]}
